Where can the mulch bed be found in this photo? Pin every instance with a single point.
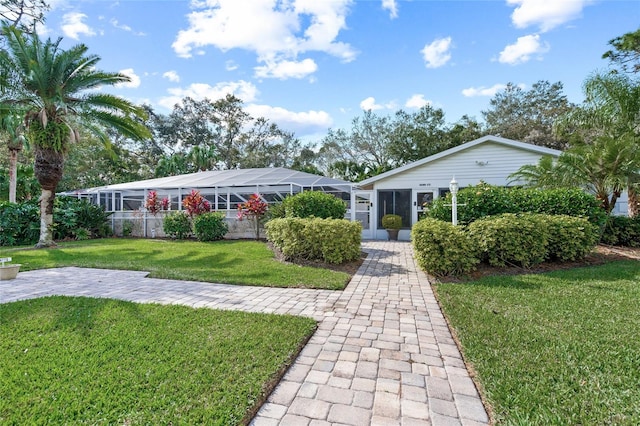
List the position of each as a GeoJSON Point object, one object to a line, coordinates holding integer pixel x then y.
{"type": "Point", "coordinates": [602, 254]}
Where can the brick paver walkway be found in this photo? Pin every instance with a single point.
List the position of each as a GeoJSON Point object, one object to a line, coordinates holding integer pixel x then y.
{"type": "Point", "coordinates": [382, 354]}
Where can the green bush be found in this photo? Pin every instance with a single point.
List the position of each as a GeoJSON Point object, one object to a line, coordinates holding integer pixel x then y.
{"type": "Point", "coordinates": [442, 248]}
{"type": "Point", "coordinates": [622, 231]}
{"type": "Point", "coordinates": [328, 240]}
{"type": "Point", "coordinates": [177, 225]}
{"type": "Point", "coordinates": [73, 218]}
{"type": "Point", "coordinates": [210, 226]}
{"type": "Point", "coordinates": [484, 200]}
{"type": "Point", "coordinates": [391, 221]}
{"type": "Point", "coordinates": [570, 238]}
{"type": "Point", "coordinates": [275, 211]}
{"type": "Point", "coordinates": [511, 239]}
{"type": "Point", "coordinates": [314, 204]}
{"type": "Point", "coordinates": [71, 214]}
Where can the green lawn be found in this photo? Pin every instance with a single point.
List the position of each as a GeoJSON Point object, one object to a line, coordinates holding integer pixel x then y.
{"type": "Point", "coordinates": [232, 262]}
{"type": "Point", "coordinates": [95, 361]}
{"type": "Point", "coordinates": [558, 348]}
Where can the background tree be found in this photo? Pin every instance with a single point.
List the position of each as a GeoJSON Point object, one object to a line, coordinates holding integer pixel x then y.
{"type": "Point", "coordinates": [626, 52]}
{"type": "Point", "coordinates": [12, 131]}
{"type": "Point", "coordinates": [528, 115]}
{"type": "Point", "coordinates": [54, 95]}
{"type": "Point", "coordinates": [23, 14]}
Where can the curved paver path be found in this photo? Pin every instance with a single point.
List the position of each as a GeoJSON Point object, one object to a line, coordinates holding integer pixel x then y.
{"type": "Point", "coordinates": [382, 354]}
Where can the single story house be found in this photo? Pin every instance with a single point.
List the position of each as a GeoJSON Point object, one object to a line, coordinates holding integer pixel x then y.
{"type": "Point", "coordinates": [404, 190]}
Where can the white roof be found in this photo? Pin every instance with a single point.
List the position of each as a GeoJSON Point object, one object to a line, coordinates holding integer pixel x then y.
{"type": "Point", "coordinates": [494, 139]}
{"type": "Point", "coordinates": [227, 178]}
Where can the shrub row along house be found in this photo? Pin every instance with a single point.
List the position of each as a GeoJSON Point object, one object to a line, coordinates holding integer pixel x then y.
{"type": "Point", "coordinates": [404, 191]}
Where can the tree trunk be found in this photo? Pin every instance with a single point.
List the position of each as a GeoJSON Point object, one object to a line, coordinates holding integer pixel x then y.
{"type": "Point", "coordinates": [13, 174]}
{"type": "Point", "coordinates": [634, 201]}
{"type": "Point", "coordinates": [48, 168]}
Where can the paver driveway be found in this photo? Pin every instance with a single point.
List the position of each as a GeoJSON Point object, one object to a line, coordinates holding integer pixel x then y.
{"type": "Point", "coordinates": [382, 354]}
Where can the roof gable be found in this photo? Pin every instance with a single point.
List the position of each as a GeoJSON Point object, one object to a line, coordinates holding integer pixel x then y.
{"type": "Point", "coordinates": [485, 139]}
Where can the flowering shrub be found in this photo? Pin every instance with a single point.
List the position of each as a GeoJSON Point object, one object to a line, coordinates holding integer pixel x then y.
{"type": "Point", "coordinates": [195, 204]}
{"type": "Point", "coordinates": [254, 208]}
{"type": "Point", "coordinates": [165, 203]}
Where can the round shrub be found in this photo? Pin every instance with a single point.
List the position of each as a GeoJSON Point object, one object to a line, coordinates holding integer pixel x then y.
{"type": "Point", "coordinates": [511, 239]}
{"type": "Point", "coordinates": [314, 204]}
{"type": "Point", "coordinates": [177, 225]}
{"type": "Point", "coordinates": [443, 249]}
{"type": "Point", "coordinates": [570, 238]}
{"type": "Point", "coordinates": [210, 226]}
{"type": "Point", "coordinates": [391, 221]}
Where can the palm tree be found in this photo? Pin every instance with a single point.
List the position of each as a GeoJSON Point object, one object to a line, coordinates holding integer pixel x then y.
{"type": "Point", "coordinates": [12, 127]}
{"type": "Point", "coordinates": [52, 89]}
{"type": "Point", "coordinates": [611, 111]}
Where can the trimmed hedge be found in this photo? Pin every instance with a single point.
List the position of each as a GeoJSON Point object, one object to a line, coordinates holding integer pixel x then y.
{"type": "Point", "coordinates": [622, 231]}
{"type": "Point", "coordinates": [328, 240]}
{"type": "Point", "coordinates": [487, 200]}
{"type": "Point", "coordinates": [210, 226]}
{"type": "Point", "coordinates": [442, 248]}
{"type": "Point", "coordinates": [509, 239]}
{"type": "Point", "coordinates": [314, 204]}
{"type": "Point", "coordinates": [570, 238]}
{"type": "Point", "coordinates": [177, 225]}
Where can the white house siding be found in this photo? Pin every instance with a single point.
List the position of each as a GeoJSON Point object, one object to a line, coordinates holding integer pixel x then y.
{"type": "Point", "coordinates": [489, 162]}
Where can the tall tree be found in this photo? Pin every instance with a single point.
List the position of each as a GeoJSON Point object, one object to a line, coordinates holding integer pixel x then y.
{"type": "Point", "coordinates": [626, 52]}
{"type": "Point", "coordinates": [54, 94]}
{"type": "Point", "coordinates": [528, 115]}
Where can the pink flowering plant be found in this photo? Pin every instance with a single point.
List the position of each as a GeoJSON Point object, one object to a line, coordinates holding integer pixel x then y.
{"type": "Point", "coordinates": [152, 203]}
{"type": "Point", "coordinates": [254, 209]}
{"type": "Point", "coordinates": [195, 204]}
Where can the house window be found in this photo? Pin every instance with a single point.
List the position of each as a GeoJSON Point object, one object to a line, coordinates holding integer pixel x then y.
{"type": "Point", "coordinates": [395, 202]}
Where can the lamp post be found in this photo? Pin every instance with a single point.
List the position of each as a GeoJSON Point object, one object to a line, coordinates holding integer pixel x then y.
{"type": "Point", "coordinates": [453, 187]}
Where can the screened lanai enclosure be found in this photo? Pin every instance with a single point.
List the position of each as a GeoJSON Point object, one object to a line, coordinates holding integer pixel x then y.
{"type": "Point", "coordinates": [224, 189]}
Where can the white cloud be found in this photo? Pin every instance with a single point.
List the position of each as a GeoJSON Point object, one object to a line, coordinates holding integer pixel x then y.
{"type": "Point", "coordinates": [370, 104]}
{"type": "Point", "coordinates": [437, 53]}
{"type": "Point", "coordinates": [486, 91]}
{"type": "Point", "coordinates": [172, 76]}
{"type": "Point", "coordinates": [135, 79]}
{"type": "Point", "coordinates": [392, 7]}
{"type": "Point", "coordinates": [306, 121]}
{"type": "Point", "coordinates": [125, 27]}
{"type": "Point", "coordinates": [547, 14]}
{"type": "Point", "coordinates": [522, 50]}
{"type": "Point", "coordinates": [417, 101]}
{"type": "Point", "coordinates": [242, 89]}
{"type": "Point", "coordinates": [276, 31]}
{"type": "Point", "coordinates": [287, 69]}
{"type": "Point", "coordinates": [230, 66]}
{"type": "Point", "coordinates": [73, 27]}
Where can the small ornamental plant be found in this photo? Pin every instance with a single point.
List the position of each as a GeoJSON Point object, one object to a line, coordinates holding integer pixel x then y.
{"type": "Point", "coordinates": [153, 204]}
{"type": "Point", "coordinates": [165, 203]}
{"type": "Point", "coordinates": [254, 208]}
{"type": "Point", "coordinates": [195, 204]}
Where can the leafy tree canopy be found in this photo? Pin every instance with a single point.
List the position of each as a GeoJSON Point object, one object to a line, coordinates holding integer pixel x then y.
{"type": "Point", "coordinates": [626, 52]}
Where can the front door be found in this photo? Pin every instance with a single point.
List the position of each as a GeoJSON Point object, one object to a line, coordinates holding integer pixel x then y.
{"type": "Point", "coordinates": [421, 200]}
{"type": "Point", "coordinates": [361, 211]}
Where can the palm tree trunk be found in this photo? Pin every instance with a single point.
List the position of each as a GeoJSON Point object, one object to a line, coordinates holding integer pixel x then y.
{"type": "Point", "coordinates": [13, 174]}
{"type": "Point", "coordinates": [634, 201]}
{"type": "Point", "coordinates": [48, 168]}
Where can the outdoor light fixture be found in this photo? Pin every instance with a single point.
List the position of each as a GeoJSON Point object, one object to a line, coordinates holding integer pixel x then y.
{"type": "Point", "coordinates": [453, 187]}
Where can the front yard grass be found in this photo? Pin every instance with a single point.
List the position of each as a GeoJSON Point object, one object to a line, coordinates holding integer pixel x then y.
{"type": "Point", "coordinates": [96, 361]}
{"type": "Point", "coordinates": [556, 348]}
{"type": "Point", "coordinates": [231, 262]}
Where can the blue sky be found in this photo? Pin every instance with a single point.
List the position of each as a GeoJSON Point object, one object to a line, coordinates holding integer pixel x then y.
{"type": "Point", "coordinates": [309, 65]}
